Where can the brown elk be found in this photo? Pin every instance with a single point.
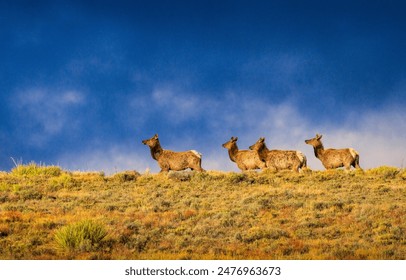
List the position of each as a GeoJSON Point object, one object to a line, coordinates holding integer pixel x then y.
{"type": "Point", "coordinates": [245, 159]}
{"type": "Point", "coordinates": [334, 158]}
{"type": "Point", "coordinates": [279, 159]}
{"type": "Point", "coordinates": [170, 160]}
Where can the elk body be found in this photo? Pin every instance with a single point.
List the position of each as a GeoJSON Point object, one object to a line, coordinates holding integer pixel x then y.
{"type": "Point", "coordinates": [280, 159]}
{"type": "Point", "coordinates": [245, 159]}
{"type": "Point", "coordinates": [170, 160]}
{"type": "Point", "coordinates": [334, 158]}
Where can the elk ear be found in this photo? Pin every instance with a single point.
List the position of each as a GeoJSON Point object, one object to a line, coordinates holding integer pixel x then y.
{"type": "Point", "coordinates": [235, 139]}
{"type": "Point", "coordinates": [318, 136]}
{"type": "Point", "coordinates": [156, 136]}
{"type": "Point", "coordinates": [262, 139]}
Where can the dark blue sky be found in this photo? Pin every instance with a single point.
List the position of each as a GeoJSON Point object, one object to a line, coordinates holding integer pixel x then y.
{"type": "Point", "coordinates": [83, 82]}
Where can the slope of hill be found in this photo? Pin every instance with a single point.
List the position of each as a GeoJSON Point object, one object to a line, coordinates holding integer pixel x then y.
{"type": "Point", "coordinates": [49, 213]}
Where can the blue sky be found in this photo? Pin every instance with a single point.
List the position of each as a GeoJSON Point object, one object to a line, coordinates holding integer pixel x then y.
{"type": "Point", "coordinates": [83, 82]}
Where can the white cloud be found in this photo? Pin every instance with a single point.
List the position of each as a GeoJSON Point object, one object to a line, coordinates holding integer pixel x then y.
{"type": "Point", "coordinates": [178, 107]}
{"type": "Point", "coordinates": [46, 112]}
{"type": "Point", "coordinates": [71, 98]}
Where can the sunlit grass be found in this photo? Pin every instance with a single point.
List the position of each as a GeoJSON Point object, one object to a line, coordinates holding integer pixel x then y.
{"type": "Point", "coordinates": [49, 213]}
{"type": "Point", "coordinates": [34, 169]}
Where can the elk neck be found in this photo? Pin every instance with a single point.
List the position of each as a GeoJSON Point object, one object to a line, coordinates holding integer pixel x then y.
{"type": "Point", "coordinates": [263, 151]}
{"type": "Point", "coordinates": [156, 151]}
{"type": "Point", "coordinates": [319, 150]}
{"type": "Point", "coordinates": [232, 152]}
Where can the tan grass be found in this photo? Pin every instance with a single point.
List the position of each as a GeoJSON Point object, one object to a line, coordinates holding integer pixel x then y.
{"type": "Point", "coordinates": [212, 215]}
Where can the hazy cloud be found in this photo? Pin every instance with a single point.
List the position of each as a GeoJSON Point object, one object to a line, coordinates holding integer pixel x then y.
{"type": "Point", "coordinates": [177, 105]}
{"type": "Point", "coordinates": [46, 112]}
{"type": "Point", "coordinates": [110, 159]}
{"type": "Point", "coordinates": [377, 134]}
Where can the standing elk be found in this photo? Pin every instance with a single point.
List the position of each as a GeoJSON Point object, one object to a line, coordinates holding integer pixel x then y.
{"type": "Point", "coordinates": [170, 160]}
{"type": "Point", "coordinates": [334, 158]}
{"type": "Point", "coordinates": [279, 159]}
{"type": "Point", "coordinates": [245, 159]}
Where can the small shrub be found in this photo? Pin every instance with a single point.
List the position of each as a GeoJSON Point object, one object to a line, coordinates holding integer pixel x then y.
{"type": "Point", "coordinates": [82, 236]}
{"type": "Point", "coordinates": [264, 179]}
{"type": "Point", "coordinates": [145, 179]}
{"type": "Point", "coordinates": [236, 178]}
{"type": "Point", "coordinates": [386, 172]}
{"type": "Point", "coordinates": [5, 230]}
{"type": "Point", "coordinates": [257, 233]}
{"type": "Point", "coordinates": [402, 173]}
{"type": "Point", "coordinates": [88, 176]}
{"type": "Point", "coordinates": [266, 204]}
{"type": "Point", "coordinates": [321, 206]}
{"type": "Point", "coordinates": [62, 181]}
{"type": "Point", "coordinates": [180, 176]}
{"type": "Point", "coordinates": [133, 227]}
{"type": "Point", "coordinates": [31, 194]}
{"type": "Point", "coordinates": [126, 176]}
{"type": "Point", "coordinates": [199, 177]}
{"type": "Point", "coordinates": [343, 254]}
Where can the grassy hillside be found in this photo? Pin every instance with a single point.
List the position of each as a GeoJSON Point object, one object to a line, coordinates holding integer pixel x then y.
{"type": "Point", "coordinates": [48, 213]}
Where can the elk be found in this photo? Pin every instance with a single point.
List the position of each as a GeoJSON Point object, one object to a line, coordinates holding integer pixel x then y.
{"type": "Point", "coordinates": [170, 160]}
{"type": "Point", "coordinates": [279, 159]}
{"type": "Point", "coordinates": [245, 159]}
{"type": "Point", "coordinates": [334, 158]}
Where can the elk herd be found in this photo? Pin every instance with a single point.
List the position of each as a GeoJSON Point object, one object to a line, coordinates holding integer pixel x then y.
{"type": "Point", "coordinates": [257, 157]}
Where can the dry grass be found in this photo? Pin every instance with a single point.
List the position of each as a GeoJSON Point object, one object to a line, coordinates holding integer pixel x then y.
{"type": "Point", "coordinates": [212, 215]}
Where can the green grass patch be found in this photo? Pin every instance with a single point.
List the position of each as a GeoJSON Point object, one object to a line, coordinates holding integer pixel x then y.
{"type": "Point", "coordinates": [33, 170]}
{"type": "Point", "coordinates": [82, 236]}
